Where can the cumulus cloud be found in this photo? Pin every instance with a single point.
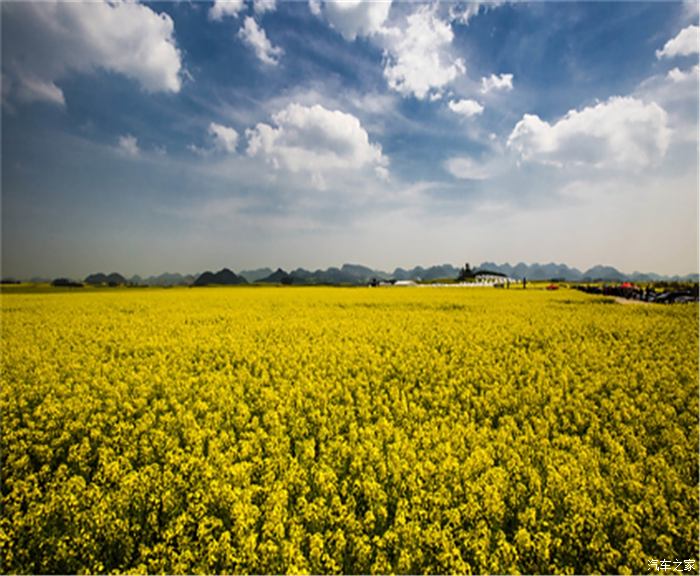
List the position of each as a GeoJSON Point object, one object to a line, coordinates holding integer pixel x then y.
{"type": "Point", "coordinates": [315, 7]}
{"type": "Point", "coordinates": [622, 132]}
{"type": "Point", "coordinates": [417, 58]}
{"type": "Point", "coordinates": [223, 8]}
{"type": "Point", "coordinates": [225, 138]}
{"type": "Point", "coordinates": [316, 141]}
{"type": "Point", "coordinates": [255, 37]}
{"type": "Point", "coordinates": [691, 10]}
{"type": "Point", "coordinates": [129, 145]}
{"type": "Point", "coordinates": [466, 168]}
{"type": "Point", "coordinates": [496, 82]}
{"type": "Point", "coordinates": [684, 44]}
{"type": "Point", "coordinates": [677, 93]}
{"type": "Point", "coordinates": [353, 18]}
{"type": "Point", "coordinates": [222, 139]}
{"type": "Point", "coordinates": [466, 108]}
{"type": "Point", "coordinates": [677, 75]}
{"type": "Point", "coordinates": [32, 89]}
{"type": "Point", "coordinates": [262, 6]}
{"type": "Point", "coordinates": [464, 12]}
{"type": "Point", "coordinates": [47, 41]}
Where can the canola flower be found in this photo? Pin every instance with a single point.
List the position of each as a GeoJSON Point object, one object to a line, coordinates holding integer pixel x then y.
{"type": "Point", "coordinates": [327, 430]}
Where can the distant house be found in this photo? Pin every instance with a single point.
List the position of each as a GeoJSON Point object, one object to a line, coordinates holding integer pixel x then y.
{"type": "Point", "coordinates": [404, 283]}
{"type": "Point", "coordinates": [488, 278]}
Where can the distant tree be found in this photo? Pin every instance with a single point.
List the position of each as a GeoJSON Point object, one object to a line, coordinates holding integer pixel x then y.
{"type": "Point", "coordinates": [465, 273]}
{"type": "Point", "coordinates": [66, 283]}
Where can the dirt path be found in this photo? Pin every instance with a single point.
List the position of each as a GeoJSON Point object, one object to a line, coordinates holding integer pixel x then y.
{"type": "Point", "coordinates": [621, 300]}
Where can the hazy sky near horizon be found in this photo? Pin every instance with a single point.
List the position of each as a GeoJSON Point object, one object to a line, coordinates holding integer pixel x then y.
{"type": "Point", "coordinates": [186, 136]}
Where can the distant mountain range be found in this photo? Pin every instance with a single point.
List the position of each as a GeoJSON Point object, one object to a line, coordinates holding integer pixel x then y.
{"type": "Point", "coordinates": [563, 272]}
{"type": "Point", "coordinates": [355, 274]}
{"type": "Point", "coordinates": [114, 278]}
{"type": "Point", "coordinates": [165, 279]}
{"type": "Point", "coordinates": [255, 275]}
{"type": "Point", "coordinates": [223, 277]}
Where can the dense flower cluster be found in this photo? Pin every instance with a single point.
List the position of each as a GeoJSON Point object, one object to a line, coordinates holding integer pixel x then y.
{"type": "Point", "coordinates": [268, 430]}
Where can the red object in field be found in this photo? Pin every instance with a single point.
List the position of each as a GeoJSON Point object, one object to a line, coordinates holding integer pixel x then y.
{"type": "Point", "coordinates": [552, 287]}
{"type": "Point", "coordinates": [627, 285]}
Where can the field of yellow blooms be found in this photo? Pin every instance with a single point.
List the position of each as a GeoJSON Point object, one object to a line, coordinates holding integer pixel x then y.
{"type": "Point", "coordinates": [354, 430]}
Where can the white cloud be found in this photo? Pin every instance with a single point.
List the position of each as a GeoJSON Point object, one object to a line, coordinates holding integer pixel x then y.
{"type": "Point", "coordinates": [417, 59]}
{"type": "Point", "coordinates": [255, 37]}
{"type": "Point", "coordinates": [684, 44]}
{"type": "Point", "coordinates": [691, 9]}
{"type": "Point", "coordinates": [497, 82]}
{"type": "Point", "coordinates": [466, 108]}
{"type": "Point", "coordinates": [677, 75]}
{"type": "Point", "coordinates": [463, 13]}
{"type": "Point", "coordinates": [315, 7]}
{"type": "Point", "coordinates": [677, 93]}
{"type": "Point", "coordinates": [197, 150]}
{"type": "Point", "coordinates": [129, 145]}
{"type": "Point", "coordinates": [262, 6]}
{"type": "Point", "coordinates": [316, 141]}
{"type": "Point", "coordinates": [466, 168]}
{"type": "Point", "coordinates": [223, 8]}
{"type": "Point", "coordinates": [379, 104]}
{"type": "Point", "coordinates": [621, 132]}
{"type": "Point", "coordinates": [32, 89]}
{"type": "Point", "coordinates": [47, 41]}
{"type": "Point", "coordinates": [225, 138]}
{"type": "Point", "coordinates": [352, 18]}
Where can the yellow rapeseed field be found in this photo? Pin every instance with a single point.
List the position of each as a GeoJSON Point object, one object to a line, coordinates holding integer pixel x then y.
{"type": "Point", "coordinates": [323, 430]}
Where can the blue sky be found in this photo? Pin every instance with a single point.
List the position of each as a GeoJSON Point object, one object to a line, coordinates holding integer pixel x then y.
{"type": "Point", "coordinates": [188, 136]}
